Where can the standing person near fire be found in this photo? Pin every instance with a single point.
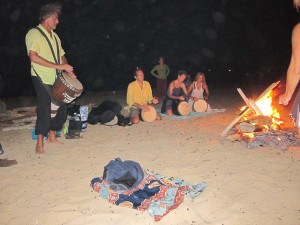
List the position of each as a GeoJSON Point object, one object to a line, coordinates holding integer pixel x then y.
{"type": "Point", "coordinates": [139, 95]}
{"type": "Point", "coordinates": [293, 73]}
{"type": "Point", "coordinates": [161, 72]}
{"type": "Point", "coordinates": [45, 65]}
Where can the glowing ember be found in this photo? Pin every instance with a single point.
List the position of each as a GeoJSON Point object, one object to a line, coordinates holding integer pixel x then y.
{"type": "Point", "coordinates": [265, 105]}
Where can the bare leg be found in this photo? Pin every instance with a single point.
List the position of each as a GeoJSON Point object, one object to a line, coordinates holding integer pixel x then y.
{"type": "Point", "coordinates": [169, 112]}
{"type": "Point", "coordinates": [39, 149]}
{"type": "Point", "coordinates": [135, 119]}
{"type": "Point", "coordinates": [52, 138]}
{"type": "Point", "coordinates": [158, 116]}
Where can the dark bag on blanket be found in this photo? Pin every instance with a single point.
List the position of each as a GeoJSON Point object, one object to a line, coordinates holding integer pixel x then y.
{"type": "Point", "coordinates": [123, 175]}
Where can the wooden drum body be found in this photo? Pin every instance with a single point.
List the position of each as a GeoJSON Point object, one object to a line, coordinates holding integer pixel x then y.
{"type": "Point", "coordinates": [66, 89]}
{"type": "Point", "coordinates": [200, 105]}
{"type": "Point", "coordinates": [183, 108]}
{"type": "Point", "coordinates": [149, 116]}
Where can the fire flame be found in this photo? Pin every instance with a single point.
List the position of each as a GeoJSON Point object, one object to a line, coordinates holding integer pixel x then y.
{"type": "Point", "coordinates": [265, 106]}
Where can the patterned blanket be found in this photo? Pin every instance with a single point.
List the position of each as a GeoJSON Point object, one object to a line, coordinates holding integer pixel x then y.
{"type": "Point", "coordinates": [156, 194]}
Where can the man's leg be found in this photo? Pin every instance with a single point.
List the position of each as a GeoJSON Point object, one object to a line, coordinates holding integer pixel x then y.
{"type": "Point", "coordinates": [134, 115]}
{"type": "Point", "coordinates": [43, 113]}
{"type": "Point", "coordinates": [158, 88]}
{"type": "Point", "coordinates": [57, 123]}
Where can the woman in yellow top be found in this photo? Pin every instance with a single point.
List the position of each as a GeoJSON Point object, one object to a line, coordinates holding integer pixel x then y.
{"type": "Point", "coordinates": [161, 72]}
{"type": "Point", "coordinates": [139, 95]}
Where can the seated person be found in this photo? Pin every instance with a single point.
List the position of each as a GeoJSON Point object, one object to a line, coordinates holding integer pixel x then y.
{"type": "Point", "coordinates": [139, 95]}
{"type": "Point", "coordinates": [176, 92]}
{"type": "Point", "coordinates": [197, 89]}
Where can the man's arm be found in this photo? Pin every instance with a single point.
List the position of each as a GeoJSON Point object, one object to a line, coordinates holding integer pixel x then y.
{"type": "Point", "coordinates": [293, 73]}
{"type": "Point", "coordinates": [168, 71]}
{"type": "Point", "coordinates": [153, 72]}
{"type": "Point", "coordinates": [35, 58]}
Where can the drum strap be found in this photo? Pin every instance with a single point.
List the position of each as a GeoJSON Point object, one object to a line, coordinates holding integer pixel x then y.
{"type": "Point", "coordinates": [57, 60]}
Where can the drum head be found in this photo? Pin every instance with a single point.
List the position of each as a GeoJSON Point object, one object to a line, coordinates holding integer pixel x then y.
{"type": "Point", "coordinates": [149, 116]}
{"type": "Point", "coordinates": [200, 105]}
{"type": "Point", "coordinates": [72, 81]}
{"type": "Point", "coordinates": [184, 108]}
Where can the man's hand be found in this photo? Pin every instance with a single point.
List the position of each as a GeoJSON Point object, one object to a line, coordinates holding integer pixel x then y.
{"type": "Point", "coordinates": [72, 74]}
{"type": "Point", "coordinates": [65, 67]}
{"type": "Point", "coordinates": [145, 108]}
{"type": "Point", "coordinates": [155, 100]}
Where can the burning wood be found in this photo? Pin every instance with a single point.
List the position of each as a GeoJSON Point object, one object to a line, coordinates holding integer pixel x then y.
{"type": "Point", "coordinates": [258, 124]}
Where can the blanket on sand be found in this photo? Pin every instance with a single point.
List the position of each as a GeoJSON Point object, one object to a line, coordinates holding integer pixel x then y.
{"type": "Point", "coordinates": [193, 114]}
{"type": "Point", "coordinates": [156, 194]}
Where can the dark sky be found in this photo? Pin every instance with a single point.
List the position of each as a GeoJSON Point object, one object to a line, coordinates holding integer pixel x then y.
{"type": "Point", "coordinates": [106, 39]}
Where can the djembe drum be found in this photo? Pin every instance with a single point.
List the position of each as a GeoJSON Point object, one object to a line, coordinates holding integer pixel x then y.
{"type": "Point", "coordinates": [200, 105]}
{"type": "Point", "coordinates": [149, 116]}
{"type": "Point", "coordinates": [64, 90]}
{"type": "Point", "coordinates": [183, 108]}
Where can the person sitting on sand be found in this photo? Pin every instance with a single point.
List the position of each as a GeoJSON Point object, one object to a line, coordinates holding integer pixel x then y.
{"type": "Point", "coordinates": [176, 92]}
{"type": "Point", "coordinates": [197, 89]}
{"type": "Point", "coordinates": [139, 95]}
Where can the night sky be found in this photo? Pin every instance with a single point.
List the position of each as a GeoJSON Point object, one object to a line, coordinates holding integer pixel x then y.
{"type": "Point", "coordinates": [105, 40]}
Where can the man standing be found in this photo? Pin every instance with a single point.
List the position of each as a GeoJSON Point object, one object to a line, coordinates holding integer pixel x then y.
{"type": "Point", "coordinates": [293, 73]}
{"type": "Point", "coordinates": [161, 72]}
{"type": "Point", "coordinates": [47, 60]}
{"type": "Point", "coordinates": [139, 95]}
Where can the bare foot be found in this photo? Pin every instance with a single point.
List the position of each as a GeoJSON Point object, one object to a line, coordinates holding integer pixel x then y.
{"type": "Point", "coordinates": [52, 138]}
{"type": "Point", "coordinates": [54, 141]}
{"type": "Point", "coordinates": [39, 149]}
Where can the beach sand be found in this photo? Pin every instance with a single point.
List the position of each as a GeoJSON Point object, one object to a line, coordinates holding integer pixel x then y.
{"type": "Point", "coordinates": [245, 186]}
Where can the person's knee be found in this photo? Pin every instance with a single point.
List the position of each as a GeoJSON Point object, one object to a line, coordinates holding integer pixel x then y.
{"type": "Point", "coordinates": [135, 120]}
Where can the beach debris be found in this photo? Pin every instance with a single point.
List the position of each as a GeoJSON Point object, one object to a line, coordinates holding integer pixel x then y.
{"type": "Point", "coordinates": [18, 118]}
{"type": "Point", "coordinates": [7, 162]}
{"type": "Point", "coordinates": [1, 149]}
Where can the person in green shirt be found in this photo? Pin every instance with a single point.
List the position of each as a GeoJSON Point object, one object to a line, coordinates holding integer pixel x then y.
{"type": "Point", "coordinates": [44, 68]}
{"type": "Point", "coordinates": [161, 72]}
{"type": "Point", "coordinates": [139, 95]}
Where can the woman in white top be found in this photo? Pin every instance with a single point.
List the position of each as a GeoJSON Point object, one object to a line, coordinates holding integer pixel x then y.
{"type": "Point", "coordinates": [197, 90]}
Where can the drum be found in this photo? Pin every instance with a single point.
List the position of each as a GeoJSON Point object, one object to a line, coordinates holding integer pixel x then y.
{"type": "Point", "coordinates": [149, 116]}
{"type": "Point", "coordinates": [200, 105]}
{"type": "Point", "coordinates": [66, 88]}
{"type": "Point", "coordinates": [183, 108]}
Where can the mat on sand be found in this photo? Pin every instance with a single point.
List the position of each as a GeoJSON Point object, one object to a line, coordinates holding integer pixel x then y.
{"type": "Point", "coordinates": [156, 194]}
{"type": "Point", "coordinates": [193, 114]}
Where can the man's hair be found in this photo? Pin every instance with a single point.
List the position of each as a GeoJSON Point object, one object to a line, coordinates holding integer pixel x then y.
{"type": "Point", "coordinates": [48, 10]}
{"type": "Point", "coordinates": [137, 69]}
{"type": "Point", "coordinates": [182, 72]}
{"type": "Point", "coordinates": [297, 4]}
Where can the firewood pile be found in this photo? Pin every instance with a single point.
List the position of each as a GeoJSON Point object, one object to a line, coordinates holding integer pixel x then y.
{"type": "Point", "coordinates": [252, 128]}
{"type": "Point", "coordinates": [262, 131]}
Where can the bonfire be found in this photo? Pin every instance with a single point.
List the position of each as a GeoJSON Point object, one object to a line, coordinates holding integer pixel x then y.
{"type": "Point", "coordinates": [258, 124]}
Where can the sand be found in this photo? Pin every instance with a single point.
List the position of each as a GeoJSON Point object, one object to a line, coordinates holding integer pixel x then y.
{"type": "Point", "coordinates": [245, 186]}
